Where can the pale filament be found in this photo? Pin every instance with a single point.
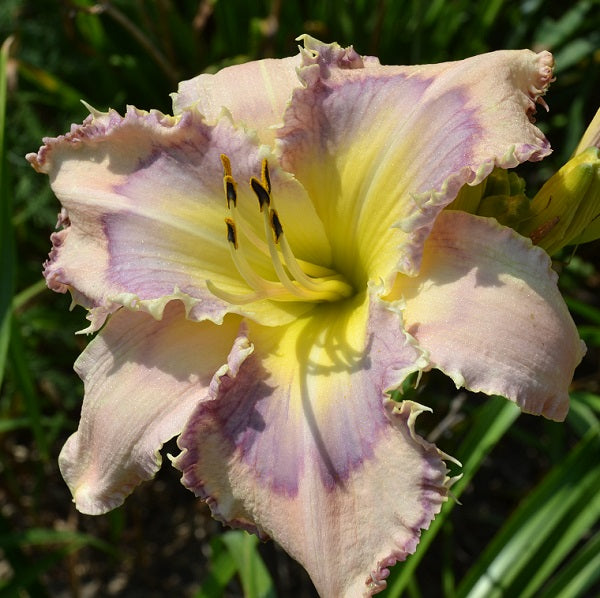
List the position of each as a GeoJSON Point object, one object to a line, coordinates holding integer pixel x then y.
{"type": "Point", "coordinates": [302, 281]}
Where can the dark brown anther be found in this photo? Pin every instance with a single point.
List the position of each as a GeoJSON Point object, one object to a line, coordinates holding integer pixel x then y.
{"type": "Point", "coordinates": [276, 225]}
{"type": "Point", "coordinates": [230, 191]}
{"type": "Point", "coordinates": [264, 175]}
{"type": "Point", "coordinates": [231, 232]}
{"type": "Point", "coordinates": [262, 194]}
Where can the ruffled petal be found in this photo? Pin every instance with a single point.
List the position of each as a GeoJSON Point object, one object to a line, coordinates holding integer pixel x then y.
{"type": "Point", "coordinates": [142, 380]}
{"type": "Point", "coordinates": [382, 149]}
{"type": "Point", "coordinates": [145, 211]}
{"type": "Point", "coordinates": [255, 93]}
{"type": "Point", "coordinates": [299, 442]}
{"type": "Point", "coordinates": [486, 307]}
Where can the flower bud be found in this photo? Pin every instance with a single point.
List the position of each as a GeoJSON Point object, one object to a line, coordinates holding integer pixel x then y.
{"type": "Point", "coordinates": [501, 196]}
{"type": "Point", "coordinates": [591, 137]}
{"type": "Point", "coordinates": [566, 210]}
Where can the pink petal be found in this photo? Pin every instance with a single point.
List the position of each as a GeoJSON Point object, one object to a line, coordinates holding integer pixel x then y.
{"type": "Point", "coordinates": [145, 210]}
{"type": "Point", "coordinates": [486, 307]}
{"type": "Point", "coordinates": [255, 93]}
{"type": "Point", "coordinates": [298, 441]}
{"type": "Point", "coordinates": [382, 149]}
{"type": "Point", "coordinates": [142, 380]}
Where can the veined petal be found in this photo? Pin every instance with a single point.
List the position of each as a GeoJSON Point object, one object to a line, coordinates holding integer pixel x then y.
{"type": "Point", "coordinates": [255, 93]}
{"type": "Point", "coordinates": [145, 211]}
{"type": "Point", "coordinates": [486, 307]}
{"type": "Point", "coordinates": [381, 150]}
{"type": "Point", "coordinates": [142, 380]}
{"type": "Point", "coordinates": [300, 442]}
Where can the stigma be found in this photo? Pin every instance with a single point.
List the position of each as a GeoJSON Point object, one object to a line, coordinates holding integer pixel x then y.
{"type": "Point", "coordinates": [293, 279]}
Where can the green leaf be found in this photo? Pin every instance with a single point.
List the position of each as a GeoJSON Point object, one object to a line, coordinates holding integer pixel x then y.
{"type": "Point", "coordinates": [581, 571]}
{"type": "Point", "coordinates": [255, 578]}
{"type": "Point", "coordinates": [584, 411]}
{"type": "Point", "coordinates": [43, 537]}
{"type": "Point", "coordinates": [27, 571]}
{"type": "Point", "coordinates": [29, 293]}
{"type": "Point", "coordinates": [542, 530]}
{"type": "Point", "coordinates": [574, 52]}
{"type": "Point", "coordinates": [7, 250]}
{"type": "Point", "coordinates": [583, 309]}
{"type": "Point", "coordinates": [222, 568]}
{"type": "Point", "coordinates": [553, 33]}
{"type": "Point", "coordinates": [67, 96]}
{"type": "Point", "coordinates": [24, 380]}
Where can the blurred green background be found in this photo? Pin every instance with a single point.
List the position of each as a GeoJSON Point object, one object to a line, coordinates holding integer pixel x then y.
{"type": "Point", "coordinates": [530, 494]}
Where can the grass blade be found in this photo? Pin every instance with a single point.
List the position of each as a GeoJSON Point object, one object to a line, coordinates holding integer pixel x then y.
{"type": "Point", "coordinates": [578, 574]}
{"type": "Point", "coordinates": [222, 569]}
{"type": "Point", "coordinates": [583, 309]}
{"type": "Point", "coordinates": [50, 537]}
{"type": "Point", "coordinates": [583, 413]}
{"type": "Point", "coordinates": [576, 523]}
{"type": "Point", "coordinates": [30, 396]}
{"type": "Point", "coordinates": [543, 528]}
{"type": "Point", "coordinates": [255, 577]}
{"type": "Point", "coordinates": [7, 250]}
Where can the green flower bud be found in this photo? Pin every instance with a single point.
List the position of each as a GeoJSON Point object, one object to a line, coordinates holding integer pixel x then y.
{"type": "Point", "coordinates": [506, 209]}
{"type": "Point", "coordinates": [566, 210]}
{"type": "Point", "coordinates": [501, 196]}
{"type": "Point", "coordinates": [591, 137]}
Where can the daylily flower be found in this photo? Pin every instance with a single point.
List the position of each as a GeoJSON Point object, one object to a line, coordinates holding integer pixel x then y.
{"type": "Point", "coordinates": [271, 261]}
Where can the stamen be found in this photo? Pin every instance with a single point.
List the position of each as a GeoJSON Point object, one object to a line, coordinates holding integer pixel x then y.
{"type": "Point", "coordinates": [264, 199]}
{"type": "Point", "coordinates": [296, 271]}
{"type": "Point", "coordinates": [276, 260]}
{"type": "Point", "coordinates": [226, 165]}
{"type": "Point", "coordinates": [241, 263]}
{"type": "Point", "coordinates": [230, 190]}
{"type": "Point", "coordinates": [297, 280]}
{"type": "Point", "coordinates": [231, 232]}
{"type": "Point", "coordinates": [265, 177]}
{"type": "Point", "coordinates": [268, 287]}
{"type": "Point", "coordinates": [264, 288]}
{"type": "Point", "coordinates": [235, 298]}
{"type": "Point", "coordinates": [276, 225]}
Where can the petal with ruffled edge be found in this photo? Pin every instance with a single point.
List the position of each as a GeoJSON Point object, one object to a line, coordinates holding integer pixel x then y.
{"type": "Point", "coordinates": [143, 377]}
{"type": "Point", "coordinates": [255, 93]}
{"type": "Point", "coordinates": [146, 207]}
{"type": "Point", "coordinates": [383, 149]}
{"type": "Point", "coordinates": [486, 307]}
{"type": "Point", "coordinates": [299, 442]}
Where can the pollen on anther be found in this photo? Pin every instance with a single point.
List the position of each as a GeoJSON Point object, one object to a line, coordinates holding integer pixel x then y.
{"type": "Point", "coordinates": [261, 193]}
{"type": "Point", "coordinates": [231, 232]}
{"type": "Point", "coordinates": [226, 165]}
{"type": "Point", "coordinates": [276, 225]}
